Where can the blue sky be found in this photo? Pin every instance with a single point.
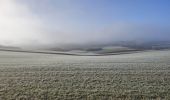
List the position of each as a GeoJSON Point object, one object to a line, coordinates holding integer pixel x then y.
{"type": "Point", "coordinates": [82, 21]}
{"type": "Point", "coordinates": [103, 11]}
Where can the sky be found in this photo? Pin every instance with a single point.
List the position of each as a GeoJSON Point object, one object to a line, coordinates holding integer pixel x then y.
{"type": "Point", "coordinates": [58, 22]}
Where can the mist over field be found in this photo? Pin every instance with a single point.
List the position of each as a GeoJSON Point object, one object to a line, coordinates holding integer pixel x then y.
{"type": "Point", "coordinates": [55, 23]}
{"type": "Point", "coordinates": [84, 49]}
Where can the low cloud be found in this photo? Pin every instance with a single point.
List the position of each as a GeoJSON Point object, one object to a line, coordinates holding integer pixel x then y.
{"type": "Point", "coordinates": [19, 26]}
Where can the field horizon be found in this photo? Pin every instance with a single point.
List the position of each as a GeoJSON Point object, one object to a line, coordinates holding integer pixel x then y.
{"type": "Point", "coordinates": [36, 76]}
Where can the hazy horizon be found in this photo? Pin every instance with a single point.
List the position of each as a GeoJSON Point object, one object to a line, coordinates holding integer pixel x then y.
{"type": "Point", "coordinates": [58, 22]}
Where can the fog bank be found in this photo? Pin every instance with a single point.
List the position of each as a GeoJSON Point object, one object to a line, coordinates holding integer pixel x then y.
{"type": "Point", "coordinates": [21, 26]}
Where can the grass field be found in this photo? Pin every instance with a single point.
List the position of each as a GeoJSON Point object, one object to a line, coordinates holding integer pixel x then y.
{"type": "Point", "coordinates": [33, 76]}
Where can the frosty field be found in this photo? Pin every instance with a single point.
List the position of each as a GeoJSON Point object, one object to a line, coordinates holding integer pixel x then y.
{"type": "Point", "coordinates": [33, 76]}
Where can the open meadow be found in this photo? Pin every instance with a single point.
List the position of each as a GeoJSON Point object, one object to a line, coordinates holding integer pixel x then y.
{"type": "Point", "coordinates": [36, 76]}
